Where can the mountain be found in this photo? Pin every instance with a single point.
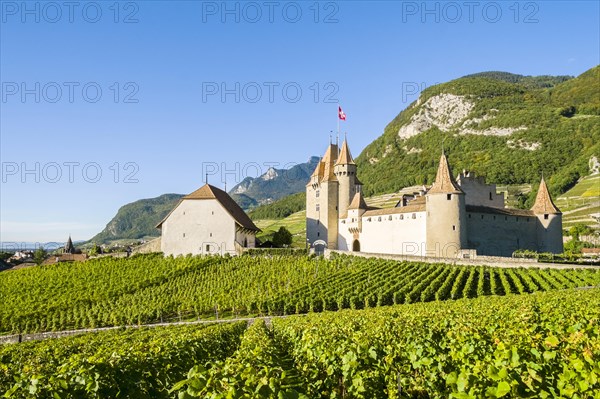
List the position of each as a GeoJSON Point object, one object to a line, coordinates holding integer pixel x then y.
{"type": "Point", "coordinates": [273, 184]}
{"type": "Point", "coordinates": [509, 128]}
{"type": "Point", "coordinates": [138, 219]}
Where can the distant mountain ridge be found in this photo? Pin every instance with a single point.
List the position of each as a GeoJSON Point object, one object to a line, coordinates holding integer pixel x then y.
{"type": "Point", "coordinates": [273, 184]}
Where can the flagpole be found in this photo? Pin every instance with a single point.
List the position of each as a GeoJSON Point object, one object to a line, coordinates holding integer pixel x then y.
{"type": "Point", "coordinates": [338, 125]}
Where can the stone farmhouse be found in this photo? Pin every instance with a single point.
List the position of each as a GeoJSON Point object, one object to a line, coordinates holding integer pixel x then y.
{"type": "Point", "coordinates": [207, 221]}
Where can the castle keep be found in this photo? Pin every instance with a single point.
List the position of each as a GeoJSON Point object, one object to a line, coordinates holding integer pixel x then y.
{"type": "Point", "coordinates": [460, 217]}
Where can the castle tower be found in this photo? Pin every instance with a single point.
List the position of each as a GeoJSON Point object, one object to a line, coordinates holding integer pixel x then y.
{"type": "Point", "coordinates": [322, 201]}
{"type": "Point", "coordinates": [446, 221]}
{"type": "Point", "coordinates": [549, 221]}
{"type": "Point", "coordinates": [356, 209]}
{"type": "Point", "coordinates": [69, 248]}
{"type": "Point", "coordinates": [345, 172]}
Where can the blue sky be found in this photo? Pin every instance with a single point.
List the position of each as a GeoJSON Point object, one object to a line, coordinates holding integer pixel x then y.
{"type": "Point", "coordinates": [135, 92]}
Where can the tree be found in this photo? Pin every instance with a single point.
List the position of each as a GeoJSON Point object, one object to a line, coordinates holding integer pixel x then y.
{"type": "Point", "coordinates": [282, 238]}
{"type": "Point", "coordinates": [95, 250]}
{"type": "Point", "coordinates": [39, 255]}
{"type": "Point", "coordinates": [580, 229]}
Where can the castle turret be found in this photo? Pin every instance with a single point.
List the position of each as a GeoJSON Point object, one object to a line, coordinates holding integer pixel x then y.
{"type": "Point", "coordinates": [345, 172]}
{"type": "Point", "coordinates": [549, 224]}
{"type": "Point", "coordinates": [69, 247]}
{"type": "Point", "coordinates": [446, 220]}
{"type": "Point", "coordinates": [322, 201]}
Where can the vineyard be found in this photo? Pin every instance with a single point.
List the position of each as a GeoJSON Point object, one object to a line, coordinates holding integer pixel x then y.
{"type": "Point", "coordinates": [529, 346]}
{"type": "Point", "coordinates": [149, 288]}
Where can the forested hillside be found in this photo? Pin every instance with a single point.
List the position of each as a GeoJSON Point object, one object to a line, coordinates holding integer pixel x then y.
{"type": "Point", "coordinates": [509, 128]}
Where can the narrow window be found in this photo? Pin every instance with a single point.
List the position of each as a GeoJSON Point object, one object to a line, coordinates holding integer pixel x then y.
{"type": "Point", "coordinates": [448, 197]}
{"type": "Point", "coordinates": [505, 217]}
{"type": "Point", "coordinates": [318, 192]}
{"type": "Point", "coordinates": [318, 208]}
{"type": "Point", "coordinates": [401, 217]}
{"type": "Point", "coordinates": [207, 248]}
{"type": "Point", "coordinates": [390, 218]}
{"type": "Point", "coordinates": [318, 234]}
{"type": "Point", "coordinates": [184, 213]}
{"type": "Point", "coordinates": [211, 234]}
{"type": "Point", "coordinates": [494, 217]}
{"type": "Point", "coordinates": [213, 212]}
{"type": "Point", "coordinates": [469, 216]}
{"type": "Point", "coordinates": [453, 227]}
{"type": "Point", "coordinates": [481, 217]}
{"type": "Point", "coordinates": [414, 215]}
{"type": "Point", "coordinates": [546, 216]}
{"type": "Point", "coordinates": [491, 198]}
{"type": "Point", "coordinates": [183, 235]}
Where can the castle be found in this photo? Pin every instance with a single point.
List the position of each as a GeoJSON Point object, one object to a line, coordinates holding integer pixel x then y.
{"type": "Point", "coordinates": [462, 217]}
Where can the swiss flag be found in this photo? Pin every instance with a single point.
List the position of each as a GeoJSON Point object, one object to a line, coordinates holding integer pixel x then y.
{"type": "Point", "coordinates": [341, 114]}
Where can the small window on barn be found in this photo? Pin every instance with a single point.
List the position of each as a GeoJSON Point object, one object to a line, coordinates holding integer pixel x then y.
{"type": "Point", "coordinates": [545, 216]}
{"type": "Point", "coordinates": [448, 197]}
